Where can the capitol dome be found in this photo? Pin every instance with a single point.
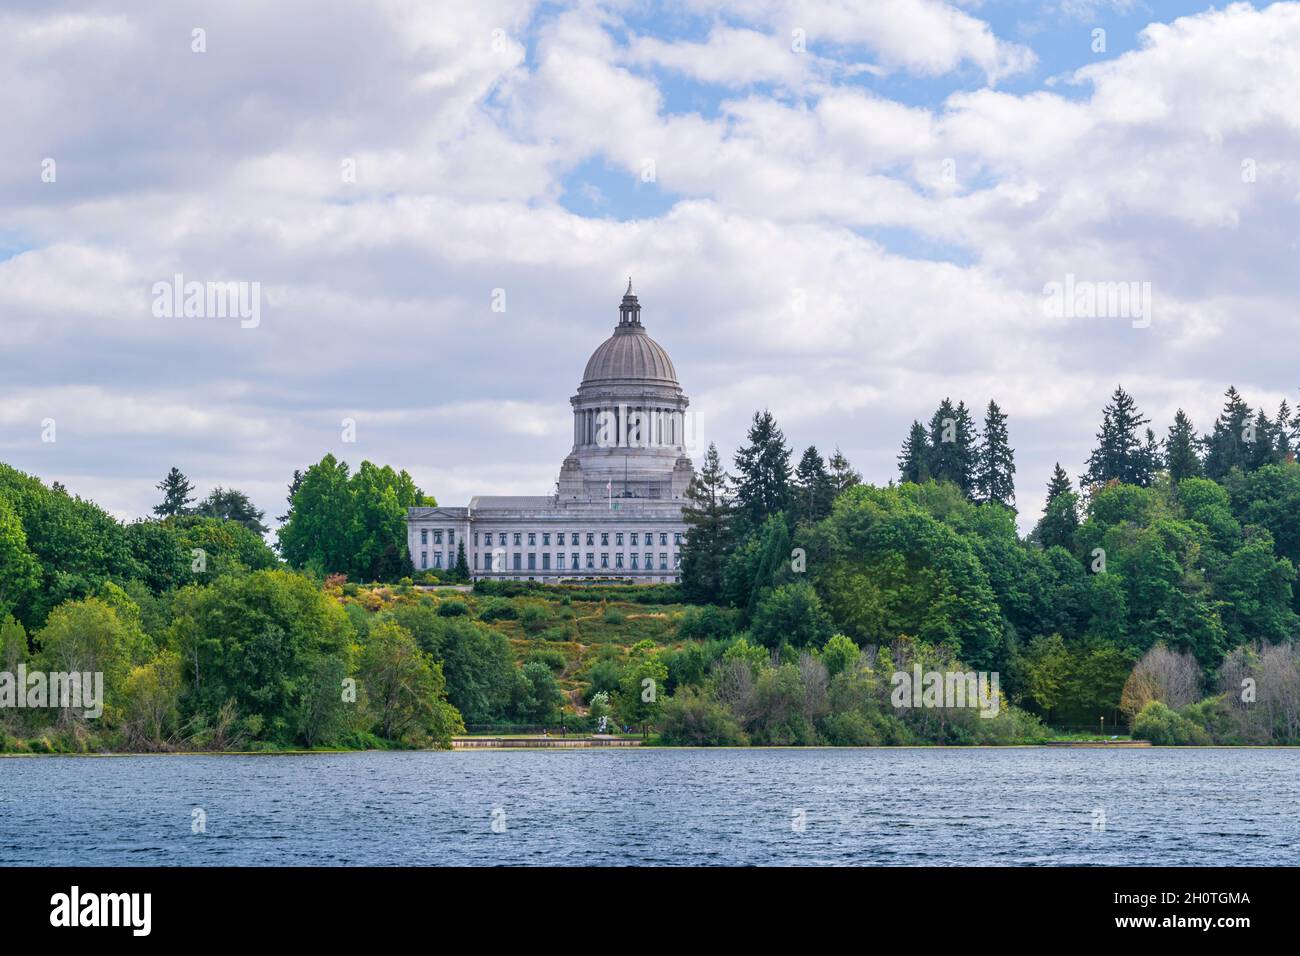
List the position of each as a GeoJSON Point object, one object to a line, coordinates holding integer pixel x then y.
{"type": "Point", "coordinates": [629, 420]}
{"type": "Point", "coordinates": [629, 355]}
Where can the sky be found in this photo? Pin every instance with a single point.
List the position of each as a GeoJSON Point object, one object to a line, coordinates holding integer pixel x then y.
{"type": "Point", "coordinates": [842, 211]}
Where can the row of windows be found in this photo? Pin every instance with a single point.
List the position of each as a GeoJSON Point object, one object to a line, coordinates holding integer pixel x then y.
{"type": "Point", "coordinates": [496, 562]}
{"type": "Point", "coordinates": [635, 537]}
{"type": "Point", "coordinates": [437, 536]}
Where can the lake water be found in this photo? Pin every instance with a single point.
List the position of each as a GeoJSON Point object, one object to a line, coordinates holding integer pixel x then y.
{"type": "Point", "coordinates": [894, 807]}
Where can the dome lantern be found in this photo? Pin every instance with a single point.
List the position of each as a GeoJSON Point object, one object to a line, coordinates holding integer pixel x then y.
{"type": "Point", "coordinates": [629, 312]}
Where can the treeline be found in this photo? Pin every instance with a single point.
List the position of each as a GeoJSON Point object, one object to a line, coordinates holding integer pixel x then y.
{"type": "Point", "coordinates": [205, 641]}
{"type": "Point", "coordinates": [1189, 544]}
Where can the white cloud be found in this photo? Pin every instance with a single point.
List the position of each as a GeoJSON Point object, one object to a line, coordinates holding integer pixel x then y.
{"type": "Point", "coordinates": [794, 268]}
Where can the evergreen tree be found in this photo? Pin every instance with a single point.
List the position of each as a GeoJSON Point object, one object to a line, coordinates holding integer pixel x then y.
{"type": "Point", "coordinates": [294, 485]}
{"type": "Point", "coordinates": [1059, 483]}
{"type": "Point", "coordinates": [1285, 435]}
{"type": "Point", "coordinates": [1227, 447]}
{"type": "Point", "coordinates": [708, 518]}
{"type": "Point", "coordinates": [995, 473]}
{"type": "Point", "coordinates": [1263, 447]}
{"type": "Point", "coordinates": [763, 473]}
{"type": "Point", "coordinates": [953, 455]}
{"type": "Point", "coordinates": [1120, 454]}
{"type": "Point", "coordinates": [462, 563]}
{"type": "Point", "coordinates": [842, 474]}
{"type": "Point", "coordinates": [1060, 519]}
{"type": "Point", "coordinates": [1150, 460]}
{"type": "Point", "coordinates": [814, 487]}
{"type": "Point", "coordinates": [231, 504]}
{"type": "Point", "coordinates": [914, 459]}
{"type": "Point", "coordinates": [1181, 457]}
{"type": "Point", "coordinates": [177, 494]}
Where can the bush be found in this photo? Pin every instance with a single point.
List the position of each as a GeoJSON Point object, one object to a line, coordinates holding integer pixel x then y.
{"type": "Point", "coordinates": [533, 617]}
{"type": "Point", "coordinates": [497, 610]}
{"type": "Point", "coordinates": [614, 616]}
{"type": "Point", "coordinates": [850, 729]}
{"type": "Point", "coordinates": [692, 718]}
{"type": "Point", "coordinates": [453, 609]}
{"type": "Point", "coordinates": [1167, 728]}
{"type": "Point", "coordinates": [706, 623]}
{"type": "Point", "coordinates": [551, 658]}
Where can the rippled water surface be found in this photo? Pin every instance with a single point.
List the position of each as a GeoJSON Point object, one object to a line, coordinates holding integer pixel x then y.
{"type": "Point", "coordinates": [924, 806]}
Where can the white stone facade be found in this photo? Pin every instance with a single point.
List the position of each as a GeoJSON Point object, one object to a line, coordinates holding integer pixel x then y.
{"type": "Point", "coordinates": [617, 510]}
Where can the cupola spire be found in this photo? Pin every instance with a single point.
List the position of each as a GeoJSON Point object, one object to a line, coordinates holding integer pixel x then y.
{"type": "Point", "coordinates": [629, 311]}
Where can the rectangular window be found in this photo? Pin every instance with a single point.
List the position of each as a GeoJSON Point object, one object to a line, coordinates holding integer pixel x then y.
{"type": "Point", "coordinates": [518, 561]}
{"type": "Point", "coordinates": [634, 557]}
{"type": "Point", "coordinates": [517, 538]}
{"type": "Point", "coordinates": [604, 560]}
{"type": "Point", "coordinates": [424, 559]}
{"type": "Point", "coordinates": [677, 560]}
{"type": "Point", "coordinates": [618, 560]}
{"type": "Point", "coordinates": [437, 537]}
{"type": "Point", "coordinates": [575, 560]}
{"type": "Point", "coordinates": [591, 560]}
{"type": "Point", "coordinates": [649, 560]}
{"type": "Point", "coordinates": [663, 537]}
{"type": "Point", "coordinates": [677, 537]}
{"type": "Point", "coordinates": [559, 561]}
{"type": "Point", "coordinates": [618, 538]}
{"type": "Point", "coordinates": [591, 539]}
{"type": "Point", "coordinates": [475, 560]}
{"type": "Point", "coordinates": [476, 539]}
{"type": "Point", "coordinates": [532, 561]}
{"type": "Point", "coordinates": [604, 539]}
{"type": "Point", "coordinates": [546, 538]}
{"type": "Point", "coordinates": [635, 542]}
{"type": "Point", "coordinates": [424, 536]}
{"type": "Point", "coordinates": [532, 537]}
{"type": "Point", "coordinates": [437, 559]}
{"type": "Point", "coordinates": [546, 560]}
{"type": "Point", "coordinates": [451, 535]}
{"type": "Point", "coordinates": [503, 539]}
{"type": "Point", "coordinates": [663, 561]}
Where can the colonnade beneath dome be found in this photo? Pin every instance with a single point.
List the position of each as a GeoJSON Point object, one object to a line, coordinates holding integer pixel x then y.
{"type": "Point", "coordinates": [629, 426]}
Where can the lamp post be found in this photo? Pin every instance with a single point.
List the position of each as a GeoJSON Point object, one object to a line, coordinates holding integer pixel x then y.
{"type": "Point", "coordinates": [1103, 725]}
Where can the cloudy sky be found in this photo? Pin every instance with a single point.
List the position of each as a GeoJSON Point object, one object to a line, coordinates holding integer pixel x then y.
{"type": "Point", "coordinates": [843, 211]}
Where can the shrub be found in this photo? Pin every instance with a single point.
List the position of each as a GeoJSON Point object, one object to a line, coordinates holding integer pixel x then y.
{"type": "Point", "coordinates": [453, 609]}
{"type": "Point", "coordinates": [614, 616]}
{"type": "Point", "coordinates": [496, 609]}
{"type": "Point", "coordinates": [1167, 728]}
{"type": "Point", "coordinates": [706, 623]}
{"type": "Point", "coordinates": [551, 658]}
{"type": "Point", "coordinates": [693, 718]}
{"type": "Point", "coordinates": [534, 618]}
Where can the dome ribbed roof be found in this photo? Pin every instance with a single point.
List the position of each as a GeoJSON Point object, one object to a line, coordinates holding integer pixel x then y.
{"type": "Point", "coordinates": [629, 353]}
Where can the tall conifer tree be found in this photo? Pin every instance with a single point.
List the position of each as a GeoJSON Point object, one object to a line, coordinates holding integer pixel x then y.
{"type": "Point", "coordinates": [914, 459]}
{"type": "Point", "coordinates": [1181, 457]}
{"type": "Point", "coordinates": [708, 515]}
{"type": "Point", "coordinates": [762, 473]}
{"type": "Point", "coordinates": [1120, 454]}
{"type": "Point", "coordinates": [1227, 446]}
{"type": "Point", "coordinates": [996, 470]}
{"type": "Point", "coordinates": [177, 494]}
{"type": "Point", "coordinates": [814, 487]}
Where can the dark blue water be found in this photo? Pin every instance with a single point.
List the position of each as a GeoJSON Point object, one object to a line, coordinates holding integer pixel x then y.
{"type": "Point", "coordinates": [898, 807]}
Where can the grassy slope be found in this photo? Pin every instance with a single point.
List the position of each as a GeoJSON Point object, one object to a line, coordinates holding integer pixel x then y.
{"type": "Point", "coordinates": [583, 631]}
